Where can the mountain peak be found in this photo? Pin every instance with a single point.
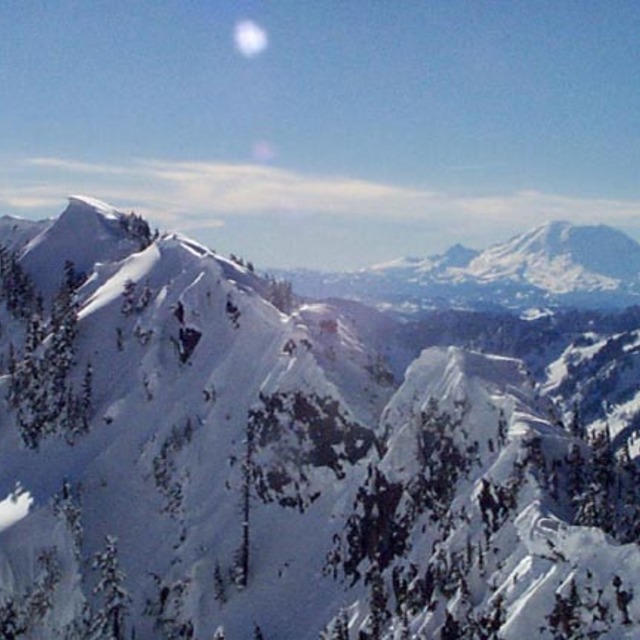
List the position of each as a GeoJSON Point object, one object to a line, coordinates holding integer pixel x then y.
{"type": "Point", "coordinates": [562, 257]}
{"type": "Point", "coordinates": [86, 204]}
{"type": "Point", "coordinates": [457, 256]}
{"type": "Point", "coordinates": [86, 232]}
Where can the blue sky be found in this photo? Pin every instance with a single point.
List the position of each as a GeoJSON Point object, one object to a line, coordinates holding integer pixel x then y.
{"type": "Point", "coordinates": [352, 133]}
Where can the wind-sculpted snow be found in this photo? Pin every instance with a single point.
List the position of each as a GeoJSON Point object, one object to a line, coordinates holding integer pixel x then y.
{"type": "Point", "coordinates": [204, 454]}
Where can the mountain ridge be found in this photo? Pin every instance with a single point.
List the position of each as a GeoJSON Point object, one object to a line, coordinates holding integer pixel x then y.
{"type": "Point", "coordinates": [206, 455]}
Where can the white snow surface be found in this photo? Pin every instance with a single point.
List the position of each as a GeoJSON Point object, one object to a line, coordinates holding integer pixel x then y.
{"type": "Point", "coordinates": [14, 507]}
{"type": "Point", "coordinates": [161, 466]}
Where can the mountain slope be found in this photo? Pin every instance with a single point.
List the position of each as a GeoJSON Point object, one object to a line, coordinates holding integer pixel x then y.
{"type": "Point", "coordinates": [179, 356]}
{"type": "Point", "coordinates": [182, 458]}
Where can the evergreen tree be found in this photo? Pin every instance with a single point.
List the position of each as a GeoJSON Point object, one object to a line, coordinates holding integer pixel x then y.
{"type": "Point", "coordinates": [86, 400]}
{"type": "Point", "coordinates": [219, 588]}
{"type": "Point", "coordinates": [108, 621]}
{"type": "Point", "coordinates": [494, 619]}
{"type": "Point", "coordinates": [564, 619]}
{"type": "Point", "coordinates": [451, 629]}
{"type": "Point", "coordinates": [576, 480]}
{"type": "Point", "coordinates": [39, 600]}
{"type": "Point", "coordinates": [12, 624]}
{"type": "Point", "coordinates": [623, 599]}
{"type": "Point", "coordinates": [341, 626]}
{"type": "Point", "coordinates": [16, 286]}
{"type": "Point", "coordinates": [242, 559]}
{"type": "Point", "coordinates": [280, 294]}
{"type": "Point", "coordinates": [67, 505]}
{"type": "Point", "coordinates": [502, 429]}
{"type": "Point", "coordinates": [577, 430]}
{"type": "Point", "coordinates": [405, 632]}
{"type": "Point", "coordinates": [64, 320]}
{"type": "Point", "coordinates": [379, 614]}
{"type": "Point", "coordinates": [128, 298]}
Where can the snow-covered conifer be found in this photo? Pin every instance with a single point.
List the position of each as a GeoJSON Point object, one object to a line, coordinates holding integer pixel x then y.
{"type": "Point", "coordinates": [108, 619]}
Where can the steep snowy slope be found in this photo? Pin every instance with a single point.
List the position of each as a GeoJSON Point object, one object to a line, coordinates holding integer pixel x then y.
{"type": "Point", "coordinates": [472, 524]}
{"type": "Point", "coordinates": [595, 382]}
{"type": "Point", "coordinates": [135, 408]}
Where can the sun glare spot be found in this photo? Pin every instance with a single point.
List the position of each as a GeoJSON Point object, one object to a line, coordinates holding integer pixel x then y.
{"type": "Point", "coordinates": [262, 151]}
{"type": "Point", "coordinates": [250, 38]}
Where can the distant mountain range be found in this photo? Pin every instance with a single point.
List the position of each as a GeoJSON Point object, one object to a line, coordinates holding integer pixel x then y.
{"type": "Point", "coordinates": [555, 265]}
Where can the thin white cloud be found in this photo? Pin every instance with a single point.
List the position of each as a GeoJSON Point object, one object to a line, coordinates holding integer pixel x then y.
{"type": "Point", "coordinates": [187, 195]}
{"type": "Point", "coordinates": [76, 166]}
{"type": "Point", "coordinates": [250, 38]}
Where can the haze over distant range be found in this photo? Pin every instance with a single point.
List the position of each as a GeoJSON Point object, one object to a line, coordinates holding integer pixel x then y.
{"type": "Point", "coordinates": [328, 135]}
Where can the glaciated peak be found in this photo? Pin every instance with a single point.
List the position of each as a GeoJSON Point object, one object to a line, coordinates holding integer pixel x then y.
{"type": "Point", "coordinates": [561, 257]}
{"type": "Point", "coordinates": [592, 246]}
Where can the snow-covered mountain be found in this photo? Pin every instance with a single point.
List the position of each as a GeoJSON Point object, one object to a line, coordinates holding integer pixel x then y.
{"type": "Point", "coordinates": [557, 264]}
{"type": "Point", "coordinates": [187, 450]}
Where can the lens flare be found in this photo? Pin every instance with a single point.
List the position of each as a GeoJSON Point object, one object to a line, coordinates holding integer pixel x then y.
{"type": "Point", "coordinates": [250, 38]}
{"type": "Point", "coordinates": [263, 151]}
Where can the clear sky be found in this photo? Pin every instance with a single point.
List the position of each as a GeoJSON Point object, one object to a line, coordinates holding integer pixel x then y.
{"type": "Point", "coordinates": [329, 134]}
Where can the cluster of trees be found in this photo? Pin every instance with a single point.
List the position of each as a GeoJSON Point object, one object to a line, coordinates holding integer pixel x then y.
{"type": "Point", "coordinates": [442, 459]}
{"type": "Point", "coordinates": [167, 610]}
{"type": "Point", "coordinates": [288, 434]}
{"type": "Point", "coordinates": [135, 300]}
{"type": "Point", "coordinates": [165, 470]}
{"type": "Point", "coordinates": [40, 389]}
{"type": "Point", "coordinates": [280, 294]}
{"type": "Point", "coordinates": [240, 261]}
{"type": "Point", "coordinates": [22, 614]}
{"type": "Point", "coordinates": [295, 432]}
{"type": "Point", "coordinates": [587, 611]}
{"type": "Point", "coordinates": [596, 480]}
{"type": "Point", "coordinates": [603, 375]}
{"type": "Point", "coordinates": [19, 614]}
{"type": "Point", "coordinates": [17, 288]}
{"type": "Point", "coordinates": [385, 513]}
{"type": "Point", "coordinates": [137, 228]}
